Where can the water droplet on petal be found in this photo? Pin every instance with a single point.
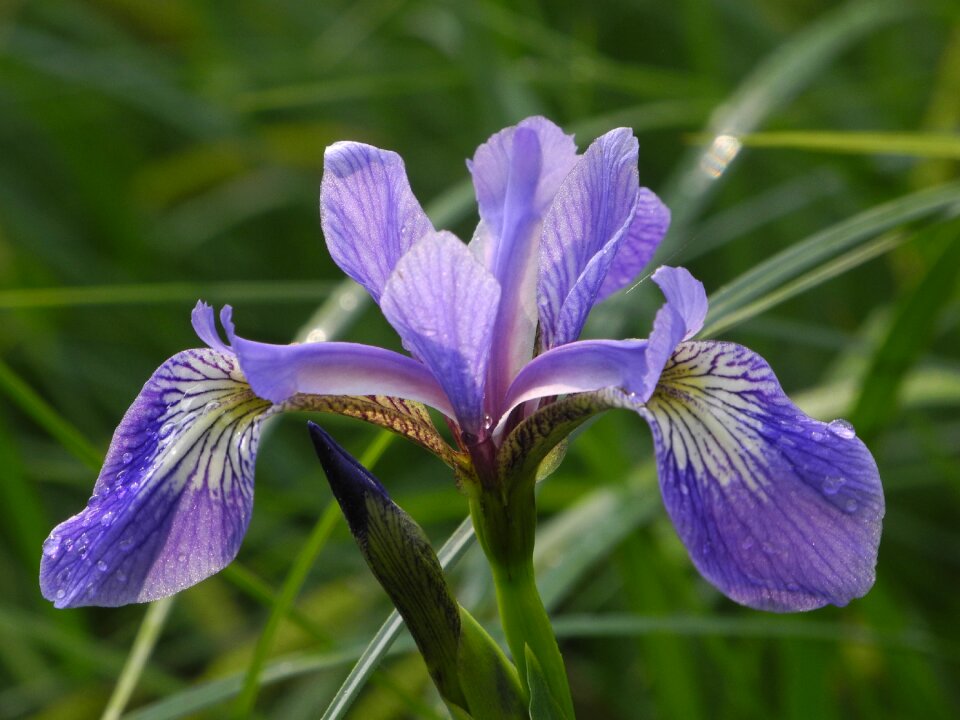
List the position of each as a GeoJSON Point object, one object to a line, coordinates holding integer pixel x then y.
{"type": "Point", "coordinates": [126, 458]}
{"type": "Point", "coordinates": [51, 546]}
{"type": "Point", "coordinates": [842, 429]}
{"type": "Point", "coordinates": [106, 520]}
{"type": "Point", "coordinates": [487, 422]}
{"type": "Point", "coordinates": [211, 406]}
{"type": "Point", "coordinates": [101, 566]}
{"type": "Point", "coordinates": [126, 543]}
{"type": "Point", "coordinates": [120, 576]}
{"type": "Point", "coordinates": [816, 436]}
{"type": "Point", "coordinates": [831, 485]}
{"type": "Point", "coordinates": [793, 587]}
{"type": "Point", "coordinates": [182, 558]}
{"type": "Point", "coordinates": [61, 594]}
{"type": "Point", "coordinates": [851, 505]}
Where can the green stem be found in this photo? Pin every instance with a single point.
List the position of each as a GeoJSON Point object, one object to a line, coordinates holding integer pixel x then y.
{"type": "Point", "coordinates": [505, 531]}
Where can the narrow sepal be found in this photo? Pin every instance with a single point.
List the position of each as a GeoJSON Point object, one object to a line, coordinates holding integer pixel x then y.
{"type": "Point", "coordinates": [778, 510]}
{"type": "Point", "coordinates": [490, 682]}
{"type": "Point", "coordinates": [400, 556]}
{"type": "Point", "coordinates": [174, 497]}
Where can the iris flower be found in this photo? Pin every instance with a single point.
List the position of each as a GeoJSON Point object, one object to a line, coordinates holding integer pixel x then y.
{"type": "Point", "coordinates": [776, 509]}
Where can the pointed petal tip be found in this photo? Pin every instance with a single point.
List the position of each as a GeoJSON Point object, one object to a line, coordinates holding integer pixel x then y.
{"type": "Point", "coordinates": [350, 482]}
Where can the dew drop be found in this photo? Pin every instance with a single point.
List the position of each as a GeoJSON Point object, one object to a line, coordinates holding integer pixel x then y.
{"type": "Point", "coordinates": [126, 543]}
{"type": "Point", "coordinates": [182, 558]}
{"type": "Point", "coordinates": [816, 436]}
{"type": "Point", "coordinates": [51, 546]}
{"type": "Point", "coordinates": [166, 429]}
{"type": "Point", "coordinates": [106, 520]}
{"type": "Point", "coordinates": [851, 505]}
{"type": "Point", "coordinates": [831, 485]}
{"type": "Point", "coordinates": [61, 594]}
{"type": "Point", "coordinates": [211, 406]}
{"type": "Point", "coordinates": [126, 458]}
{"type": "Point", "coordinates": [684, 490]}
{"type": "Point", "coordinates": [101, 566]}
{"type": "Point", "coordinates": [120, 475]}
{"type": "Point", "coordinates": [487, 422]}
{"type": "Point", "coordinates": [792, 587]}
{"type": "Point", "coordinates": [842, 429]}
{"type": "Point", "coordinates": [121, 576]}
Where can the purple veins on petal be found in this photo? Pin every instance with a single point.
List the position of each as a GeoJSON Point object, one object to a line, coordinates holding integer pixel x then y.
{"type": "Point", "coordinates": [443, 303]}
{"type": "Point", "coordinates": [174, 496]}
{"type": "Point", "coordinates": [778, 511]}
{"type": "Point", "coordinates": [369, 214]}
{"type": "Point", "coordinates": [583, 231]}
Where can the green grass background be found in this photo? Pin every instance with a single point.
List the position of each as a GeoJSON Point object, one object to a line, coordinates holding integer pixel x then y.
{"type": "Point", "coordinates": [155, 152]}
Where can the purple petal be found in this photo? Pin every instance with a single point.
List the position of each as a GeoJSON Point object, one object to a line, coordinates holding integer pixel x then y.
{"type": "Point", "coordinates": [583, 232]}
{"type": "Point", "coordinates": [632, 365]}
{"type": "Point", "coordinates": [650, 224]}
{"type": "Point", "coordinates": [778, 510]}
{"type": "Point", "coordinates": [443, 303]}
{"type": "Point", "coordinates": [277, 372]}
{"type": "Point", "coordinates": [369, 215]}
{"type": "Point", "coordinates": [516, 173]}
{"type": "Point", "coordinates": [173, 499]}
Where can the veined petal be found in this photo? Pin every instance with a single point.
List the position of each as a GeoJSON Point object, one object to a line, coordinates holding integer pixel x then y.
{"type": "Point", "coordinates": [443, 303]}
{"type": "Point", "coordinates": [516, 173]}
{"type": "Point", "coordinates": [778, 510]}
{"type": "Point", "coordinates": [582, 234]}
{"type": "Point", "coordinates": [650, 223]}
{"type": "Point", "coordinates": [634, 366]}
{"type": "Point", "coordinates": [369, 214]}
{"type": "Point", "coordinates": [173, 499]}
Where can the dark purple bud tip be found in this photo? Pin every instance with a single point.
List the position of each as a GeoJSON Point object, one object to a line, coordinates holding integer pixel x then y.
{"type": "Point", "coordinates": [350, 481]}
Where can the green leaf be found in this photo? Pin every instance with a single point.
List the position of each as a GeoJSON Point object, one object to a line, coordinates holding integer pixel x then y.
{"type": "Point", "coordinates": [542, 704]}
{"type": "Point", "coordinates": [914, 322]}
{"type": "Point", "coordinates": [489, 681]}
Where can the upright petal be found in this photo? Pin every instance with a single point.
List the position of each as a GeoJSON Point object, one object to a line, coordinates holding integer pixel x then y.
{"type": "Point", "coordinates": [516, 174]}
{"type": "Point", "coordinates": [278, 372]}
{"type": "Point", "coordinates": [778, 510]}
{"type": "Point", "coordinates": [443, 304]}
{"type": "Point", "coordinates": [650, 223]}
{"type": "Point", "coordinates": [173, 499]}
{"type": "Point", "coordinates": [634, 366]}
{"type": "Point", "coordinates": [582, 234]}
{"type": "Point", "coordinates": [369, 215]}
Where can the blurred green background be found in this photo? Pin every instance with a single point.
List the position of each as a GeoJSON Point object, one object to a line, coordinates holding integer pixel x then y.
{"type": "Point", "coordinates": [155, 152]}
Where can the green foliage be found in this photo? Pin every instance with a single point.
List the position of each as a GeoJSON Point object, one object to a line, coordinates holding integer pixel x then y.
{"type": "Point", "coordinates": [153, 153]}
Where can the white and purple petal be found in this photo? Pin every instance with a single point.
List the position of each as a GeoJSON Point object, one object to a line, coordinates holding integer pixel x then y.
{"type": "Point", "coordinates": [443, 303]}
{"type": "Point", "coordinates": [582, 234]}
{"type": "Point", "coordinates": [779, 511]}
{"type": "Point", "coordinates": [174, 497]}
{"type": "Point", "coordinates": [369, 214]}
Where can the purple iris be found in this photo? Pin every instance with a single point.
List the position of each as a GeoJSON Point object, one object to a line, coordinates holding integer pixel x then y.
{"type": "Point", "coordinates": [778, 510]}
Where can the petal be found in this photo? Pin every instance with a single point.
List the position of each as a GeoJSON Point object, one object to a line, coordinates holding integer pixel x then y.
{"type": "Point", "coordinates": [631, 365]}
{"type": "Point", "coordinates": [369, 214]}
{"type": "Point", "coordinates": [205, 326]}
{"type": "Point", "coordinates": [443, 303]}
{"type": "Point", "coordinates": [173, 499]}
{"type": "Point", "coordinates": [278, 372]}
{"type": "Point", "coordinates": [516, 173]}
{"type": "Point", "coordinates": [778, 510]}
{"type": "Point", "coordinates": [650, 224]}
{"type": "Point", "coordinates": [582, 233]}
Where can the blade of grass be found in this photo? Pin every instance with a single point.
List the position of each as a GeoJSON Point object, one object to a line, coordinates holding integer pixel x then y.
{"type": "Point", "coordinates": [143, 644]}
{"type": "Point", "coordinates": [781, 76]}
{"type": "Point", "coordinates": [929, 145]}
{"type": "Point", "coordinates": [157, 293]}
{"type": "Point", "coordinates": [294, 580]}
{"type": "Point", "coordinates": [784, 266]}
{"type": "Point", "coordinates": [724, 320]}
